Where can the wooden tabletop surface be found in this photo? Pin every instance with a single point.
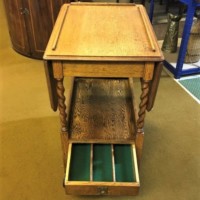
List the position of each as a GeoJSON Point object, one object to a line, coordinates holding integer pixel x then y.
{"type": "Point", "coordinates": [103, 31]}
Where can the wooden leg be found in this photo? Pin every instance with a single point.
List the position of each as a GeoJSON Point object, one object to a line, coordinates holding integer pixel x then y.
{"type": "Point", "coordinates": [139, 140]}
{"type": "Point", "coordinates": [143, 106]}
{"type": "Point", "coordinates": [64, 142]}
{"type": "Point", "coordinates": [63, 118]}
{"type": "Point", "coordinates": [61, 105]}
{"type": "Point", "coordinates": [140, 122]}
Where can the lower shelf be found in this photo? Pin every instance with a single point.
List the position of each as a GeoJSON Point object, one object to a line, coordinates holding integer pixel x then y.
{"type": "Point", "coordinates": [102, 169]}
{"type": "Point", "coordinates": [102, 110]}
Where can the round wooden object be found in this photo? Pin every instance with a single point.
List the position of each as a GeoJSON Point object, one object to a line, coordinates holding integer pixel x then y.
{"type": "Point", "coordinates": [30, 24]}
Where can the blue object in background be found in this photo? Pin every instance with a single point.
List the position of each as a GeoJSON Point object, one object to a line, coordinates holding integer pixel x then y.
{"type": "Point", "coordinates": [179, 71]}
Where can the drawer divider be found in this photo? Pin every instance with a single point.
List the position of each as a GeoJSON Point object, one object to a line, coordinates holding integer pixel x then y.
{"type": "Point", "coordinates": [135, 164]}
{"type": "Point", "coordinates": [91, 163]}
{"type": "Point", "coordinates": [68, 162]}
{"type": "Point", "coordinates": [113, 163]}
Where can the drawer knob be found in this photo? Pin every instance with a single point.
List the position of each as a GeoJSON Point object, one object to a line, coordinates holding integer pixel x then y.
{"type": "Point", "coordinates": [102, 190]}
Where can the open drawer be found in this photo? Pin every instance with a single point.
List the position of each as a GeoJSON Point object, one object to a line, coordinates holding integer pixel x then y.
{"type": "Point", "coordinates": [101, 169]}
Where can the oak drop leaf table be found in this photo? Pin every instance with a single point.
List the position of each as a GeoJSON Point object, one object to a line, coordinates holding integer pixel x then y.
{"type": "Point", "coordinates": [103, 46]}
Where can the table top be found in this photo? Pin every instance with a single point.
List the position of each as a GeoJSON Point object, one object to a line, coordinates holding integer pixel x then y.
{"type": "Point", "coordinates": [103, 31]}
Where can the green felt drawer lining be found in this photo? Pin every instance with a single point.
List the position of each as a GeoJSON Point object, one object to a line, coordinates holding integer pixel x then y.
{"type": "Point", "coordinates": [102, 169]}
{"type": "Point", "coordinates": [102, 162]}
{"type": "Point", "coordinates": [124, 167]}
{"type": "Point", "coordinates": [80, 162]}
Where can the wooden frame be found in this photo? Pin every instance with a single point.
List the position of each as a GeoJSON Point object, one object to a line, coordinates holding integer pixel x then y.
{"type": "Point", "coordinates": [101, 107]}
{"type": "Point", "coordinates": [102, 187]}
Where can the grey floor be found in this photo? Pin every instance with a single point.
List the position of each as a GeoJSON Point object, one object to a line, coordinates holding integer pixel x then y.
{"type": "Point", "coordinates": [30, 150]}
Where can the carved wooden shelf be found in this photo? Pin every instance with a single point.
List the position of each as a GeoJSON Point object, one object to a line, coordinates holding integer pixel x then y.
{"type": "Point", "coordinates": [101, 110]}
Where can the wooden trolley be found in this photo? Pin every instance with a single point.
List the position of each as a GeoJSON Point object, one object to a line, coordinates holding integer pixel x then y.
{"type": "Point", "coordinates": [103, 46]}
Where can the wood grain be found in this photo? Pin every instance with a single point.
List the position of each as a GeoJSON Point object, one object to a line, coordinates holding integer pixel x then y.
{"type": "Point", "coordinates": [30, 24]}
{"type": "Point", "coordinates": [114, 187]}
{"type": "Point", "coordinates": [93, 38]}
{"type": "Point", "coordinates": [148, 71]}
{"type": "Point", "coordinates": [59, 27]}
{"type": "Point", "coordinates": [68, 157]}
{"type": "Point", "coordinates": [102, 110]}
{"type": "Point", "coordinates": [58, 70]}
{"type": "Point", "coordinates": [61, 105]}
{"type": "Point", "coordinates": [103, 43]}
{"type": "Point", "coordinates": [154, 85]}
{"type": "Point", "coordinates": [142, 106]}
{"type": "Point", "coordinates": [51, 84]}
{"type": "Point", "coordinates": [135, 164]}
{"type": "Point", "coordinates": [103, 69]}
{"type": "Point", "coordinates": [139, 141]}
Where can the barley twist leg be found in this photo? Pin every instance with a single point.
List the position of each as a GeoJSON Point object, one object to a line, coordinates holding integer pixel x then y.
{"type": "Point", "coordinates": [142, 106]}
{"type": "Point", "coordinates": [140, 122]}
{"type": "Point", "coordinates": [61, 104]}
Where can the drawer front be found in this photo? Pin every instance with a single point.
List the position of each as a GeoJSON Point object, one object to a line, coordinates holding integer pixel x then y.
{"type": "Point", "coordinates": [102, 169]}
{"type": "Point", "coordinates": [102, 189]}
{"type": "Point", "coordinates": [103, 69]}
